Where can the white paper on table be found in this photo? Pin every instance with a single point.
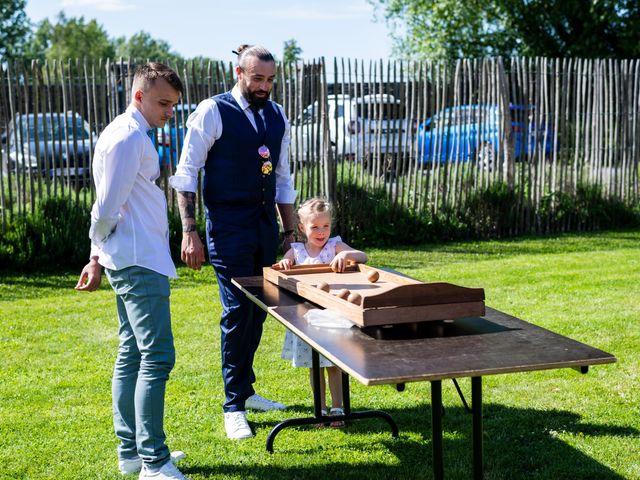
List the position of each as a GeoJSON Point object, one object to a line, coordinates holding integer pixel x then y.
{"type": "Point", "coordinates": [327, 319]}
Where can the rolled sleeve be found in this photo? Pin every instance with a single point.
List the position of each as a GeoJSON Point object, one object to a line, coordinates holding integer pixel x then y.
{"type": "Point", "coordinates": [285, 193]}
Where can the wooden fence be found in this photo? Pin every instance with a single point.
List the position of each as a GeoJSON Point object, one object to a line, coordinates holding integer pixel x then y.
{"type": "Point", "coordinates": [428, 135]}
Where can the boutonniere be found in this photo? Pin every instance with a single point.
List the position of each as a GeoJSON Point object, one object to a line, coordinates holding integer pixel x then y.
{"type": "Point", "coordinates": [267, 166]}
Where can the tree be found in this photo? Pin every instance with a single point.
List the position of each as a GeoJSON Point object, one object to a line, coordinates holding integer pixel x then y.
{"type": "Point", "coordinates": [551, 28]}
{"type": "Point", "coordinates": [70, 38]}
{"type": "Point", "coordinates": [291, 52]}
{"type": "Point", "coordinates": [142, 46]}
{"type": "Point", "coordinates": [14, 28]}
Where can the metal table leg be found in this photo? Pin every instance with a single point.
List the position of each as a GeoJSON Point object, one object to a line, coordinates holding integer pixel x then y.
{"type": "Point", "coordinates": [476, 401]}
{"type": "Point", "coordinates": [436, 429]}
{"type": "Point", "coordinates": [319, 418]}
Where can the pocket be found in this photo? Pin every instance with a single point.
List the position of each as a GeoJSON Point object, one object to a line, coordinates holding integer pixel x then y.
{"type": "Point", "coordinates": [119, 280]}
{"type": "Point", "coordinates": [138, 281]}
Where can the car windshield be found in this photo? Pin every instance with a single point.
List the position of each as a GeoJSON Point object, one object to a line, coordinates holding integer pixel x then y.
{"type": "Point", "coordinates": [53, 127]}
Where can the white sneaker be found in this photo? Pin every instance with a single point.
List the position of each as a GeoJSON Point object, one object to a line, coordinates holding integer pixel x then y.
{"type": "Point", "coordinates": [168, 472]}
{"type": "Point", "coordinates": [256, 402]}
{"type": "Point", "coordinates": [236, 425]}
{"type": "Point", "coordinates": [129, 466]}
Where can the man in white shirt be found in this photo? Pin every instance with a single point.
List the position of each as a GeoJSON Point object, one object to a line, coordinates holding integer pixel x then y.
{"type": "Point", "coordinates": [130, 238]}
{"type": "Point", "coordinates": [240, 140]}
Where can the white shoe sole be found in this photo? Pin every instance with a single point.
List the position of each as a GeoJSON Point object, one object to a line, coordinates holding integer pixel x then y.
{"type": "Point", "coordinates": [132, 467]}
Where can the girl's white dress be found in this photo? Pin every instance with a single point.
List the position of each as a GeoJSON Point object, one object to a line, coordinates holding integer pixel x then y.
{"type": "Point", "coordinates": [294, 348]}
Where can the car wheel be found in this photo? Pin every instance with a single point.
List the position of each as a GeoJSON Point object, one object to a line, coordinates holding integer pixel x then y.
{"type": "Point", "coordinates": [486, 156]}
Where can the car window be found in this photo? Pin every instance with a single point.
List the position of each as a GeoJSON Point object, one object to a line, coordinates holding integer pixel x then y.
{"type": "Point", "coordinates": [52, 127]}
{"type": "Point", "coordinates": [384, 111]}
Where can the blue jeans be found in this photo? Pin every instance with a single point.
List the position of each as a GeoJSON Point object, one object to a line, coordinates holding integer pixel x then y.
{"type": "Point", "coordinates": [146, 355]}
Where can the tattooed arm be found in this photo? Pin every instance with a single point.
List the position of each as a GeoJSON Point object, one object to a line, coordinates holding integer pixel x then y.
{"type": "Point", "coordinates": [192, 250]}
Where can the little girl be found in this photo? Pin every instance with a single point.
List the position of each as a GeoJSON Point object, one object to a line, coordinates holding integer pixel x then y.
{"type": "Point", "coordinates": [314, 222]}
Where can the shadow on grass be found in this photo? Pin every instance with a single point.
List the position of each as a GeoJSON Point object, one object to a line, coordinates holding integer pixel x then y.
{"type": "Point", "coordinates": [518, 444]}
{"type": "Point", "coordinates": [26, 285]}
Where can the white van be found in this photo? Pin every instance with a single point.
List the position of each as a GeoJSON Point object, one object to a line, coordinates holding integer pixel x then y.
{"type": "Point", "coordinates": [359, 127]}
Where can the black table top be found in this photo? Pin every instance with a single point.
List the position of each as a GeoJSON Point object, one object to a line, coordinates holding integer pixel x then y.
{"type": "Point", "coordinates": [426, 351]}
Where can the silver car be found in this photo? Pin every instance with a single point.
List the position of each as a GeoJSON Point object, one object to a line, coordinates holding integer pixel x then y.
{"type": "Point", "coordinates": [53, 144]}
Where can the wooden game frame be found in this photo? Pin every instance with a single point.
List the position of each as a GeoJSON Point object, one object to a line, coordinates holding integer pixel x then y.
{"type": "Point", "coordinates": [407, 301]}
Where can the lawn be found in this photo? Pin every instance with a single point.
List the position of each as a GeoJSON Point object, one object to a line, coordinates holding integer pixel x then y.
{"type": "Point", "coordinates": [58, 348]}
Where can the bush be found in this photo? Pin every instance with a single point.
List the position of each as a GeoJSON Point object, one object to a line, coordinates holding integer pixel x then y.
{"type": "Point", "coordinates": [55, 235]}
{"type": "Point", "coordinates": [368, 219]}
{"type": "Point", "coordinates": [490, 213]}
{"type": "Point", "coordinates": [586, 210]}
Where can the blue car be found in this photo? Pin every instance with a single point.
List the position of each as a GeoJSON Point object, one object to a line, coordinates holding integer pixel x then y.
{"type": "Point", "coordinates": [473, 133]}
{"type": "Point", "coordinates": [170, 138]}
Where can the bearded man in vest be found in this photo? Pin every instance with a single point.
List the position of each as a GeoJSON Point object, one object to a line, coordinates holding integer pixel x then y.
{"type": "Point", "coordinates": [240, 139]}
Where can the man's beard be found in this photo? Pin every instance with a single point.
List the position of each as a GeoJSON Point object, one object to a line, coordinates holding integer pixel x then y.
{"type": "Point", "coordinates": [255, 101]}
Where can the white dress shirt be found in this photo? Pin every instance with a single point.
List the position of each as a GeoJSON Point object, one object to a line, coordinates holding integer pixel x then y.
{"type": "Point", "coordinates": [205, 127]}
{"type": "Point", "coordinates": [129, 223]}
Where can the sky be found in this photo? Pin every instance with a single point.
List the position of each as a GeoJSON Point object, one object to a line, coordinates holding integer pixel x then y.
{"type": "Point", "coordinates": [329, 28]}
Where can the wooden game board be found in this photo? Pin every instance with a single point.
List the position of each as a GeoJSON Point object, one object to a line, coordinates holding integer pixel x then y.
{"type": "Point", "coordinates": [389, 300]}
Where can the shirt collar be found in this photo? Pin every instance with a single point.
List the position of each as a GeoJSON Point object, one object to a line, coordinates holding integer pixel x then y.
{"type": "Point", "coordinates": [237, 95]}
{"type": "Point", "coordinates": [138, 117]}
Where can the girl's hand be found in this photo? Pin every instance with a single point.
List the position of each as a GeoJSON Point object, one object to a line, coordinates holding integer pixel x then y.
{"type": "Point", "coordinates": [339, 262]}
{"type": "Point", "coordinates": [285, 264]}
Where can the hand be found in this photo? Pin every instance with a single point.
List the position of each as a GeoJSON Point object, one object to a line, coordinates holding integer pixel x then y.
{"type": "Point", "coordinates": [192, 251]}
{"type": "Point", "coordinates": [339, 263]}
{"type": "Point", "coordinates": [90, 277]}
{"type": "Point", "coordinates": [285, 264]}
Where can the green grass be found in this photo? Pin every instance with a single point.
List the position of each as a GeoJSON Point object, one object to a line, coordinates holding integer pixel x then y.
{"type": "Point", "coordinates": [58, 348]}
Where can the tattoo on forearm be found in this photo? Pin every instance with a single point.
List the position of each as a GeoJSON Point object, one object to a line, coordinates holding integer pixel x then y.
{"type": "Point", "coordinates": [187, 205]}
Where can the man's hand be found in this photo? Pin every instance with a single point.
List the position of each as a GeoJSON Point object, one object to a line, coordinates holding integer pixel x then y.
{"type": "Point", "coordinates": [192, 251]}
{"type": "Point", "coordinates": [90, 277]}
